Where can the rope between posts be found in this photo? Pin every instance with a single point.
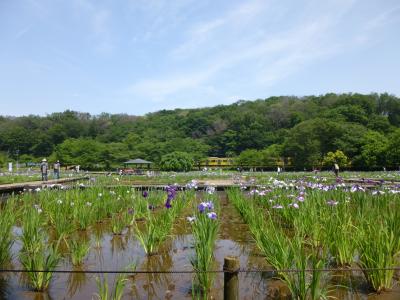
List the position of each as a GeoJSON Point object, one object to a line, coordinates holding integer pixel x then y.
{"type": "Point", "coordinates": [194, 271]}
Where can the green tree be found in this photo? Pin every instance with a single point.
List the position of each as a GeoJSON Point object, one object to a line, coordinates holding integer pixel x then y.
{"type": "Point", "coordinates": [87, 153]}
{"type": "Point", "coordinates": [373, 151]}
{"type": "Point", "coordinates": [177, 161]}
{"type": "Point", "coordinates": [393, 149]}
{"type": "Point", "coordinates": [335, 157]}
{"type": "Point", "coordinates": [271, 156]}
{"type": "Point", "coordinates": [249, 158]}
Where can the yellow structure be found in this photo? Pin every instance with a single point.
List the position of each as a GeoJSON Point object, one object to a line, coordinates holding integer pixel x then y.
{"type": "Point", "coordinates": [217, 162]}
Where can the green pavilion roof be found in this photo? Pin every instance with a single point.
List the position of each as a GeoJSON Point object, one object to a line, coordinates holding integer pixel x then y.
{"type": "Point", "coordinates": [138, 161]}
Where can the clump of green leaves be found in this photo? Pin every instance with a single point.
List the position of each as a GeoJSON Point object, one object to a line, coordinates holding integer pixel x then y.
{"type": "Point", "coordinates": [104, 290]}
{"type": "Point", "coordinates": [7, 219]}
{"type": "Point", "coordinates": [204, 230]}
{"type": "Point", "coordinates": [79, 250]}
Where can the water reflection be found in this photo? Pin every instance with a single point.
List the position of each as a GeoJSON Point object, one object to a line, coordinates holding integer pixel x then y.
{"type": "Point", "coordinates": [76, 281]}
{"type": "Point", "coordinates": [117, 252]}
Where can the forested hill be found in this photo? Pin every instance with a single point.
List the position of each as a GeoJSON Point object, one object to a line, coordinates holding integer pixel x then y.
{"type": "Point", "coordinates": [364, 127]}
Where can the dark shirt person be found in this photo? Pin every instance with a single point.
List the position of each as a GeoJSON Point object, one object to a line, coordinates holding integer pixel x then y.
{"type": "Point", "coordinates": [44, 167]}
{"type": "Point", "coordinates": [56, 169]}
{"type": "Point", "coordinates": [336, 169]}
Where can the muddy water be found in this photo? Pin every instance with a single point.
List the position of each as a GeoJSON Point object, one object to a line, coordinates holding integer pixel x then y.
{"type": "Point", "coordinates": [118, 252]}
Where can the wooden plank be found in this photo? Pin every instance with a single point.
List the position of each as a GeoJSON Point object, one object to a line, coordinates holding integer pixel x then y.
{"type": "Point", "coordinates": [35, 184]}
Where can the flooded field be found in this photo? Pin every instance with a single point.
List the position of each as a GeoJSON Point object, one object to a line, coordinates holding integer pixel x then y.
{"type": "Point", "coordinates": [113, 249]}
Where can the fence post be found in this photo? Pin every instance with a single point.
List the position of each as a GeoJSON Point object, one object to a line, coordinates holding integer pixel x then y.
{"type": "Point", "coordinates": [231, 278]}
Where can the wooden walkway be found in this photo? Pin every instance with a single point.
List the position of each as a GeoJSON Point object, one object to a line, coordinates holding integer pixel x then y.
{"type": "Point", "coordinates": [20, 186]}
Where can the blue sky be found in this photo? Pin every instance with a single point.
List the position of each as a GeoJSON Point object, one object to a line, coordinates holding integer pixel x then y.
{"type": "Point", "coordinates": [139, 56]}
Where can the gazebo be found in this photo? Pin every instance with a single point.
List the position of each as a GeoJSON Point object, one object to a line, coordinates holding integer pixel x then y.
{"type": "Point", "coordinates": [138, 163]}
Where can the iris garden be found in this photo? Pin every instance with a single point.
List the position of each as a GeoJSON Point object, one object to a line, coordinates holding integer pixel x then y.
{"type": "Point", "coordinates": [297, 225]}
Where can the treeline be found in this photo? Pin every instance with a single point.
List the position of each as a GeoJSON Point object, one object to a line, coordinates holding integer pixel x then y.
{"type": "Point", "coordinates": [364, 127]}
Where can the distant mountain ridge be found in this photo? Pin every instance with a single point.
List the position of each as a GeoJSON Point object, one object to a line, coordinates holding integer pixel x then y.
{"type": "Point", "coordinates": [305, 128]}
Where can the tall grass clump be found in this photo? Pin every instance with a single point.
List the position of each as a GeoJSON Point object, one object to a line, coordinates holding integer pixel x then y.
{"type": "Point", "coordinates": [155, 231]}
{"type": "Point", "coordinates": [117, 223]}
{"type": "Point", "coordinates": [7, 219]}
{"type": "Point", "coordinates": [158, 225]}
{"type": "Point", "coordinates": [205, 225]}
{"type": "Point", "coordinates": [285, 252]}
{"type": "Point", "coordinates": [83, 214]}
{"type": "Point", "coordinates": [32, 229]}
{"type": "Point", "coordinates": [35, 254]}
{"type": "Point", "coordinates": [79, 250]}
{"type": "Point", "coordinates": [378, 247]}
{"type": "Point", "coordinates": [104, 290]}
{"type": "Point", "coordinates": [43, 260]}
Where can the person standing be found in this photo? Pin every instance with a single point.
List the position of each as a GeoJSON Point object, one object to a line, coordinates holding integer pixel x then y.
{"type": "Point", "coordinates": [44, 167]}
{"type": "Point", "coordinates": [56, 169]}
{"type": "Point", "coordinates": [336, 169]}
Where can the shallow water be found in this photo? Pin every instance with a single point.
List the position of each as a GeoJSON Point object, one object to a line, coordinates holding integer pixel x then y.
{"type": "Point", "coordinates": [117, 252]}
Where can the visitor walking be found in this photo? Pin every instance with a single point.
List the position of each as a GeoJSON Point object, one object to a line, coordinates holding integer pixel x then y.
{"type": "Point", "coordinates": [56, 169]}
{"type": "Point", "coordinates": [336, 169]}
{"type": "Point", "coordinates": [44, 167]}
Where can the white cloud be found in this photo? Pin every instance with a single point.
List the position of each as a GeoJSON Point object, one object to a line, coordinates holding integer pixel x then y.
{"type": "Point", "coordinates": [244, 47]}
{"type": "Point", "coordinates": [99, 19]}
{"type": "Point", "coordinates": [386, 17]}
{"type": "Point", "coordinates": [157, 90]}
{"type": "Point", "coordinates": [201, 33]}
{"type": "Point", "coordinates": [22, 32]}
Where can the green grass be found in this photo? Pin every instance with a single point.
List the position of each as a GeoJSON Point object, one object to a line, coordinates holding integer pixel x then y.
{"type": "Point", "coordinates": [40, 260]}
{"type": "Point", "coordinates": [205, 232]}
{"type": "Point", "coordinates": [78, 250]}
{"type": "Point", "coordinates": [7, 219]}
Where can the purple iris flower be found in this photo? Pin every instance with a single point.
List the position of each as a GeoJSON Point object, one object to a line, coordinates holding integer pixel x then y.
{"type": "Point", "coordinates": [201, 207]}
{"type": "Point", "coordinates": [356, 188]}
{"type": "Point", "coordinates": [332, 203]}
{"type": "Point", "coordinates": [145, 194]}
{"type": "Point", "coordinates": [205, 205]}
{"type": "Point", "coordinates": [151, 207]}
{"type": "Point", "coordinates": [212, 215]}
{"type": "Point", "coordinates": [300, 198]}
{"type": "Point", "coordinates": [278, 206]}
{"type": "Point", "coordinates": [168, 203]}
{"type": "Point", "coordinates": [209, 205]}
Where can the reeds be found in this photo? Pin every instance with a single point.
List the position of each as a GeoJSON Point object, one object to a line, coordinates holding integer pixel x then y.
{"type": "Point", "coordinates": [285, 253]}
{"type": "Point", "coordinates": [104, 290]}
{"type": "Point", "coordinates": [378, 247]}
{"type": "Point", "coordinates": [7, 219]}
{"type": "Point", "coordinates": [117, 223]}
{"type": "Point", "coordinates": [158, 225]}
{"type": "Point", "coordinates": [155, 231]}
{"type": "Point", "coordinates": [78, 250]}
{"type": "Point", "coordinates": [205, 225]}
{"type": "Point", "coordinates": [41, 262]}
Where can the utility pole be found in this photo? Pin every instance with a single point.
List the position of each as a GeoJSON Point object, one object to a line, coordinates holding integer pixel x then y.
{"type": "Point", "coordinates": [17, 152]}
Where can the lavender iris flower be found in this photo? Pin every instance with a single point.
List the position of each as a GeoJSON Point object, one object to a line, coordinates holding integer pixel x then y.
{"type": "Point", "coordinates": [210, 190]}
{"type": "Point", "coordinates": [277, 206]}
{"type": "Point", "coordinates": [145, 194]}
{"type": "Point", "coordinates": [205, 205]}
{"type": "Point", "coordinates": [332, 203]}
{"type": "Point", "coordinates": [191, 219]}
{"type": "Point", "coordinates": [168, 203]}
{"type": "Point", "coordinates": [212, 215]}
{"type": "Point", "coordinates": [201, 207]}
